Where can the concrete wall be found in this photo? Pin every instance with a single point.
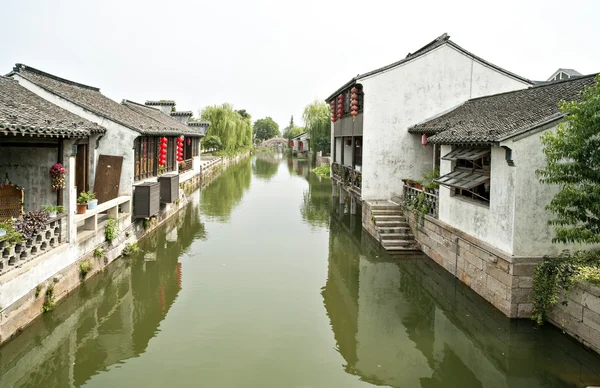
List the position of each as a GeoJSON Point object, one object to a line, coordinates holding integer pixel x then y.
{"type": "Point", "coordinates": [348, 155]}
{"type": "Point", "coordinates": [117, 141]}
{"type": "Point", "coordinates": [29, 168]}
{"type": "Point", "coordinates": [492, 224]}
{"type": "Point", "coordinates": [407, 95]}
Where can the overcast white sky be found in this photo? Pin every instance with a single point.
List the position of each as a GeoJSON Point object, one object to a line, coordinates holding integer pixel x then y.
{"type": "Point", "coordinates": [274, 57]}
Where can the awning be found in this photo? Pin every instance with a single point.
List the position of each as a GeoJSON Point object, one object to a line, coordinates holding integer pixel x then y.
{"type": "Point", "coordinates": [465, 179]}
{"type": "Point", "coordinates": [466, 154]}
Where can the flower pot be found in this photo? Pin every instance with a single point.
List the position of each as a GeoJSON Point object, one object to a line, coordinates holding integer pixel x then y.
{"type": "Point", "coordinates": [52, 214]}
{"type": "Point", "coordinates": [92, 204]}
{"type": "Point", "coordinates": [81, 208]}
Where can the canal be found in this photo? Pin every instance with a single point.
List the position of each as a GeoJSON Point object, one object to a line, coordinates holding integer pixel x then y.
{"type": "Point", "coordinates": [262, 281]}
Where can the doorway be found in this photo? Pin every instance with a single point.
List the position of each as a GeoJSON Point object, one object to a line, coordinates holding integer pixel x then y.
{"type": "Point", "coordinates": [82, 169]}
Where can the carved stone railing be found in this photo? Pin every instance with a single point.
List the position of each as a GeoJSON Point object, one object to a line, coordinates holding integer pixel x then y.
{"type": "Point", "coordinates": [410, 193]}
{"type": "Point", "coordinates": [348, 176]}
{"type": "Point", "coordinates": [12, 256]}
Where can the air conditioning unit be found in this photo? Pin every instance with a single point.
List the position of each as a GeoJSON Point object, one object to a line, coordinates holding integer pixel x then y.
{"type": "Point", "coordinates": [169, 188]}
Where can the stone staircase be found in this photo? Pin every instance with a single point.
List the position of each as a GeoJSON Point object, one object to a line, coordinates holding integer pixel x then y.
{"type": "Point", "coordinates": [393, 229]}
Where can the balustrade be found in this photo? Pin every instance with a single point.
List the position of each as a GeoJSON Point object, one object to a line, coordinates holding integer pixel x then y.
{"type": "Point", "coordinates": [410, 196]}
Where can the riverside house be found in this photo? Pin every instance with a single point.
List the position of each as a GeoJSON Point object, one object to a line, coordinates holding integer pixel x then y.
{"type": "Point", "coordinates": [492, 228]}
{"type": "Point", "coordinates": [128, 153]}
{"type": "Point", "coordinates": [300, 144]}
{"type": "Point", "coordinates": [371, 148]}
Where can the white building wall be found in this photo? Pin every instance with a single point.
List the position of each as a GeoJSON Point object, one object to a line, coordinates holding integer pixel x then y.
{"type": "Point", "coordinates": [532, 235]}
{"type": "Point", "coordinates": [117, 141]}
{"type": "Point", "coordinates": [338, 150]}
{"type": "Point", "coordinates": [411, 93]}
{"type": "Point", "coordinates": [348, 155]}
{"type": "Point", "coordinates": [491, 224]}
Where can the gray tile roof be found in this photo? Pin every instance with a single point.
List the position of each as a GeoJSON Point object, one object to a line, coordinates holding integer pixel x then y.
{"type": "Point", "coordinates": [90, 98]}
{"type": "Point", "coordinates": [160, 102]}
{"type": "Point", "coordinates": [437, 42]}
{"type": "Point", "coordinates": [22, 112]}
{"type": "Point", "coordinates": [491, 119]}
{"type": "Point", "coordinates": [163, 120]}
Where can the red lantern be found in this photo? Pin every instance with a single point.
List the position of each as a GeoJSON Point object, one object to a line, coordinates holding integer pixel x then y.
{"type": "Point", "coordinates": [354, 107]}
{"type": "Point", "coordinates": [424, 140]}
{"type": "Point", "coordinates": [339, 115]}
{"type": "Point", "coordinates": [354, 113]}
{"type": "Point", "coordinates": [164, 140]}
{"type": "Point", "coordinates": [163, 152]}
{"type": "Point", "coordinates": [354, 102]}
{"type": "Point", "coordinates": [292, 143]}
{"type": "Point", "coordinates": [354, 96]}
{"type": "Point", "coordinates": [354, 90]}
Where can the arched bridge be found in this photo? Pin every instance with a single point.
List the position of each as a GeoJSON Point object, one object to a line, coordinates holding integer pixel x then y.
{"type": "Point", "coordinates": [274, 142]}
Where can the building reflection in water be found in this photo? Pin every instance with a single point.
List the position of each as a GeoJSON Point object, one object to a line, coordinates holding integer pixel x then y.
{"type": "Point", "coordinates": [405, 322]}
{"type": "Point", "coordinates": [111, 318]}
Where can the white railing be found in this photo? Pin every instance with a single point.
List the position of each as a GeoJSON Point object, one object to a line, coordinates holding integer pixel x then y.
{"type": "Point", "coordinates": [411, 192]}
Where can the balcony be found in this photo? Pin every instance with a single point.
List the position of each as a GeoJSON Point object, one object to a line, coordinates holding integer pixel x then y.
{"type": "Point", "coordinates": [347, 176]}
{"type": "Point", "coordinates": [426, 201]}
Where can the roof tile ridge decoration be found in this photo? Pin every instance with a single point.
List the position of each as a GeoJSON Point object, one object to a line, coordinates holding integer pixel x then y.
{"type": "Point", "coordinates": [19, 68]}
{"type": "Point", "coordinates": [182, 113]}
{"type": "Point", "coordinates": [160, 124]}
{"type": "Point", "coordinates": [126, 101]}
{"type": "Point", "coordinates": [161, 102]}
{"type": "Point", "coordinates": [199, 123]}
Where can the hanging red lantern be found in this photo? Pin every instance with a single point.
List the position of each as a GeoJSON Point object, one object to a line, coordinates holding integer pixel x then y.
{"type": "Point", "coordinates": [354, 102]}
{"type": "Point", "coordinates": [354, 96]}
{"type": "Point", "coordinates": [164, 140]}
{"type": "Point", "coordinates": [354, 113]}
{"type": "Point", "coordinates": [354, 90]}
{"type": "Point", "coordinates": [291, 143]}
{"type": "Point", "coordinates": [354, 108]}
{"type": "Point", "coordinates": [339, 115]}
{"type": "Point", "coordinates": [424, 140]}
{"type": "Point", "coordinates": [163, 152]}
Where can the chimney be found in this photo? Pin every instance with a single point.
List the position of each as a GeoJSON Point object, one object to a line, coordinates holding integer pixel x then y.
{"type": "Point", "coordinates": [183, 116]}
{"type": "Point", "coordinates": [165, 106]}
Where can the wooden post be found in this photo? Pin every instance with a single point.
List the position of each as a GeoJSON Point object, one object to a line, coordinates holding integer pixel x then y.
{"type": "Point", "coordinates": [353, 155]}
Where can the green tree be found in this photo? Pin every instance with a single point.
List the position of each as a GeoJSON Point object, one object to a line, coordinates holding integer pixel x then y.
{"type": "Point", "coordinates": [316, 118]}
{"type": "Point", "coordinates": [291, 130]}
{"type": "Point", "coordinates": [212, 143]}
{"type": "Point", "coordinates": [573, 157]}
{"type": "Point", "coordinates": [265, 129]}
{"type": "Point", "coordinates": [233, 128]}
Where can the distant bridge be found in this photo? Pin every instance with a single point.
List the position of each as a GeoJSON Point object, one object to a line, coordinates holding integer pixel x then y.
{"type": "Point", "coordinates": [276, 141]}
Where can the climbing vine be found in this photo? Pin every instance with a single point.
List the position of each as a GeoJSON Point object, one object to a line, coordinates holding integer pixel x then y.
{"type": "Point", "coordinates": [556, 274]}
{"type": "Point", "coordinates": [419, 204]}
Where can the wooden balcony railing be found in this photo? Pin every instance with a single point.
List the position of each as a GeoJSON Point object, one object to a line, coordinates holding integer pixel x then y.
{"type": "Point", "coordinates": [411, 193]}
{"type": "Point", "coordinates": [348, 176]}
{"type": "Point", "coordinates": [186, 165]}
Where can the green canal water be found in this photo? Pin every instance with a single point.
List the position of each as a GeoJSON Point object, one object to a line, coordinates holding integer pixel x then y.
{"type": "Point", "coordinates": [262, 281]}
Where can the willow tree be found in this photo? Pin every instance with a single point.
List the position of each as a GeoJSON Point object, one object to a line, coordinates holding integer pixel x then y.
{"type": "Point", "coordinates": [573, 158]}
{"type": "Point", "coordinates": [233, 128]}
{"type": "Point", "coordinates": [316, 118]}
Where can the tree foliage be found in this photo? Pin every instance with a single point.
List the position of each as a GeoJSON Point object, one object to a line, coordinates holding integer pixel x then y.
{"type": "Point", "coordinates": [316, 118]}
{"type": "Point", "coordinates": [573, 160]}
{"type": "Point", "coordinates": [292, 130]}
{"type": "Point", "coordinates": [265, 129]}
{"type": "Point", "coordinates": [233, 128]}
{"type": "Point", "coordinates": [212, 143]}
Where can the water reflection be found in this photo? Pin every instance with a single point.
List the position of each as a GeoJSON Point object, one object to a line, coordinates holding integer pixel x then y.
{"type": "Point", "coordinates": [227, 191]}
{"type": "Point", "coordinates": [405, 322]}
{"type": "Point", "coordinates": [111, 318]}
{"type": "Point", "coordinates": [266, 164]}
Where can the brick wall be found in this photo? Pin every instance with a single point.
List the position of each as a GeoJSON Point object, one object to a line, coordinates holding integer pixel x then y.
{"type": "Point", "coordinates": [502, 280]}
{"type": "Point", "coordinates": [581, 316]}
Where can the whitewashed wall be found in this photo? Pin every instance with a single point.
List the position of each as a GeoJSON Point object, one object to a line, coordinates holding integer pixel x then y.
{"type": "Point", "coordinates": [117, 141]}
{"type": "Point", "coordinates": [492, 224]}
{"type": "Point", "coordinates": [533, 236]}
{"type": "Point", "coordinates": [407, 95]}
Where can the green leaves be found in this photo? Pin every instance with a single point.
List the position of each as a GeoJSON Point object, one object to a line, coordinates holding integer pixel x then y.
{"type": "Point", "coordinates": [265, 129]}
{"type": "Point", "coordinates": [233, 128]}
{"type": "Point", "coordinates": [573, 163]}
{"type": "Point", "coordinates": [316, 118]}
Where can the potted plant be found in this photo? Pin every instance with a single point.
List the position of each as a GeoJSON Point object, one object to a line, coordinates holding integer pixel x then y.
{"type": "Point", "coordinates": [82, 202]}
{"type": "Point", "coordinates": [92, 202]}
{"type": "Point", "coordinates": [429, 180]}
{"type": "Point", "coordinates": [53, 210]}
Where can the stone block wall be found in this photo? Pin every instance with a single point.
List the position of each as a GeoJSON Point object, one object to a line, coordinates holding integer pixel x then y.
{"type": "Point", "coordinates": [502, 280]}
{"type": "Point", "coordinates": [367, 221]}
{"type": "Point", "coordinates": [581, 316]}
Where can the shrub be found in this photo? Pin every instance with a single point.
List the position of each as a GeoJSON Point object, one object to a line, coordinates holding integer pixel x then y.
{"type": "Point", "coordinates": [49, 302]}
{"type": "Point", "coordinates": [130, 249]}
{"type": "Point", "coordinates": [84, 268]}
{"type": "Point", "coordinates": [99, 253]}
{"type": "Point", "coordinates": [31, 224]}
{"type": "Point", "coordinates": [112, 229]}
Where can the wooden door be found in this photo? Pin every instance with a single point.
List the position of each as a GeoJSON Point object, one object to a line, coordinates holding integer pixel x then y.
{"type": "Point", "coordinates": [82, 166]}
{"type": "Point", "coordinates": [187, 153]}
{"type": "Point", "coordinates": [108, 176]}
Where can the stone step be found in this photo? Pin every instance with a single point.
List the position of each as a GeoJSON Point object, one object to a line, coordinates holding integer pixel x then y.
{"type": "Point", "coordinates": [396, 243]}
{"type": "Point", "coordinates": [396, 236]}
{"type": "Point", "coordinates": [391, 224]}
{"type": "Point", "coordinates": [401, 250]}
{"type": "Point", "coordinates": [395, 229]}
{"type": "Point", "coordinates": [384, 205]}
{"type": "Point", "coordinates": [389, 217]}
{"type": "Point", "coordinates": [388, 212]}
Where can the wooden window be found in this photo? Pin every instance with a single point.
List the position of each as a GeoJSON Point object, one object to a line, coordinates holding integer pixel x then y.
{"type": "Point", "coordinates": [195, 146]}
{"type": "Point", "coordinates": [146, 150]}
{"type": "Point", "coordinates": [470, 176]}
